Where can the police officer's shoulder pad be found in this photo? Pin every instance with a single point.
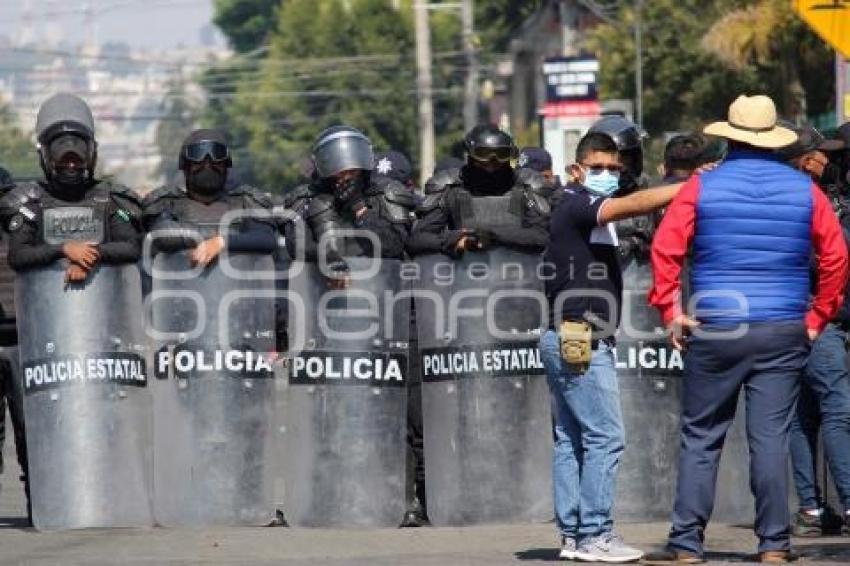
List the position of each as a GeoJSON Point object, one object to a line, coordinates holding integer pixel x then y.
{"type": "Point", "coordinates": [128, 202]}
{"type": "Point", "coordinates": [26, 191]}
{"type": "Point", "coordinates": [531, 179]}
{"type": "Point", "coordinates": [162, 193]}
{"type": "Point", "coordinates": [22, 201]}
{"type": "Point", "coordinates": [319, 204]}
{"type": "Point", "coordinates": [442, 180]}
{"type": "Point", "coordinates": [299, 193]}
{"type": "Point", "coordinates": [256, 196]}
{"type": "Point", "coordinates": [397, 193]}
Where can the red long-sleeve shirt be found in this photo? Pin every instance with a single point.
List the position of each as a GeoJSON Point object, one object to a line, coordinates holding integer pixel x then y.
{"type": "Point", "coordinates": [676, 232]}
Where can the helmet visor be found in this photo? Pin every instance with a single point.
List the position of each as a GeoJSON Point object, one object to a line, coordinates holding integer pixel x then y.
{"type": "Point", "coordinates": [500, 154]}
{"type": "Point", "coordinates": [212, 150]}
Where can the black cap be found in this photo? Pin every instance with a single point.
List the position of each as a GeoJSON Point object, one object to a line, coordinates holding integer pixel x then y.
{"type": "Point", "coordinates": [808, 139]}
{"type": "Point", "coordinates": [535, 158]}
{"type": "Point", "coordinates": [395, 165]}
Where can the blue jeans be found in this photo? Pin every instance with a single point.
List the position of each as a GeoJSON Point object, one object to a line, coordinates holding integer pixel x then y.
{"type": "Point", "coordinates": [589, 439]}
{"type": "Point", "coordinates": [824, 405]}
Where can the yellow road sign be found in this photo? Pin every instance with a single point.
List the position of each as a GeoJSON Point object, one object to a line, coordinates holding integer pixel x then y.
{"type": "Point", "coordinates": [830, 19]}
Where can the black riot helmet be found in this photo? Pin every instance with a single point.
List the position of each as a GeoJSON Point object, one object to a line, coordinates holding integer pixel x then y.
{"type": "Point", "coordinates": [64, 125]}
{"type": "Point", "coordinates": [208, 151]}
{"type": "Point", "coordinates": [205, 144]}
{"type": "Point", "coordinates": [341, 148]}
{"type": "Point", "coordinates": [489, 143]}
{"type": "Point", "coordinates": [628, 138]}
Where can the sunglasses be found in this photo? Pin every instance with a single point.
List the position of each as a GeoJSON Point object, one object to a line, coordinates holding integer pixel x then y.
{"type": "Point", "coordinates": [215, 151]}
{"type": "Point", "coordinates": [500, 154]}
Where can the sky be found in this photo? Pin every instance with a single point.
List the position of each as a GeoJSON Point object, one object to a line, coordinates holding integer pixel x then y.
{"type": "Point", "coordinates": [147, 24]}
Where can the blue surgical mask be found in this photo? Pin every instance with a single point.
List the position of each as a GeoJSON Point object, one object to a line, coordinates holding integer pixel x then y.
{"type": "Point", "coordinates": [605, 183]}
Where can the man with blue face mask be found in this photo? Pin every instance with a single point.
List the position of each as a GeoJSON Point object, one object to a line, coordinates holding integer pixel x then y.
{"type": "Point", "coordinates": [584, 288]}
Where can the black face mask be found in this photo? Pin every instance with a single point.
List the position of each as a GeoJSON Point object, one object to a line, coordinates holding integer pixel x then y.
{"type": "Point", "coordinates": [206, 181]}
{"type": "Point", "coordinates": [69, 176]}
{"type": "Point", "coordinates": [478, 181]}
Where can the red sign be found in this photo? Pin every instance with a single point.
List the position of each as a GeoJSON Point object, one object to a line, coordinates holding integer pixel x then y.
{"type": "Point", "coordinates": [566, 109]}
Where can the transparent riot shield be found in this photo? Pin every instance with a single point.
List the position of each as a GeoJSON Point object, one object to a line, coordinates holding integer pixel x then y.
{"type": "Point", "coordinates": [486, 409]}
{"type": "Point", "coordinates": [213, 390]}
{"type": "Point", "coordinates": [346, 404]}
{"type": "Point", "coordinates": [87, 403]}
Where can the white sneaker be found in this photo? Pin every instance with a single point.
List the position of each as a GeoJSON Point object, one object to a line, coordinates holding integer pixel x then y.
{"type": "Point", "coordinates": [568, 548]}
{"type": "Point", "coordinates": [608, 548]}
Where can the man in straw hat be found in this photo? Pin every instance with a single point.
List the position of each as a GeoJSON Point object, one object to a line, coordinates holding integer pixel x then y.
{"type": "Point", "coordinates": [753, 224]}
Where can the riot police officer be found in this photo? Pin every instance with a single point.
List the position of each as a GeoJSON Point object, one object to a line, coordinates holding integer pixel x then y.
{"type": "Point", "coordinates": [344, 194]}
{"type": "Point", "coordinates": [190, 218]}
{"type": "Point", "coordinates": [10, 383]}
{"type": "Point", "coordinates": [217, 418]}
{"type": "Point", "coordinates": [457, 216]}
{"type": "Point", "coordinates": [70, 214]}
{"type": "Point", "coordinates": [348, 221]}
{"type": "Point", "coordinates": [74, 242]}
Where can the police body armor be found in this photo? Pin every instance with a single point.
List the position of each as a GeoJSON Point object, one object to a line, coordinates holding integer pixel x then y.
{"type": "Point", "coordinates": [86, 397]}
{"type": "Point", "coordinates": [346, 402]}
{"type": "Point", "coordinates": [316, 204]}
{"type": "Point", "coordinates": [650, 375]}
{"type": "Point", "coordinates": [485, 404]}
{"type": "Point", "coordinates": [214, 392]}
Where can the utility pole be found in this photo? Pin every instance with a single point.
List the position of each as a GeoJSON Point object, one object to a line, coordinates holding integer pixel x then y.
{"type": "Point", "coordinates": [638, 63]}
{"type": "Point", "coordinates": [470, 98]}
{"type": "Point", "coordinates": [567, 14]}
{"type": "Point", "coordinates": [424, 90]}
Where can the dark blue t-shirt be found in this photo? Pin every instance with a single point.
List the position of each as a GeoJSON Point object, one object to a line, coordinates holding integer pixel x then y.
{"type": "Point", "coordinates": [584, 281]}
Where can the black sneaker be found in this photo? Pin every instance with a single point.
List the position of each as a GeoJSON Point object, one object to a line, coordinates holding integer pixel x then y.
{"type": "Point", "coordinates": [827, 523]}
{"type": "Point", "coordinates": [807, 525]}
{"type": "Point", "coordinates": [831, 522]}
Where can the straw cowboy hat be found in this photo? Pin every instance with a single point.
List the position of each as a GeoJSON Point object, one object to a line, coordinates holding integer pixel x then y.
{"type": "Point", "coordinates": [752, 120]}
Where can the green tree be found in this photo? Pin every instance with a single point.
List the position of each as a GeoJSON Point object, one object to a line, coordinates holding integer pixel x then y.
{"type": "Point", "coordinates": [246, 23]}
{"type": "Point", "coordinates": [330, 62]}
{"type": "Point", "coordinates": [770, 38]}
{"type": "Point", "coordinates": [687, 80]}
{"type": "Point", "coordinates": [497, 20]}
{"type": "Point", "coordinates": [17, 153]}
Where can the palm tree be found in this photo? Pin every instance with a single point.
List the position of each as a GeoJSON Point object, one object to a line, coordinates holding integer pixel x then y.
{"type": "Point", "coordinates": [762, 34]}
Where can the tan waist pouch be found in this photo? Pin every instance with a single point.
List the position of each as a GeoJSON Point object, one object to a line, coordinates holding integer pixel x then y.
{"type": "Point", "coordinates": [576, 344]}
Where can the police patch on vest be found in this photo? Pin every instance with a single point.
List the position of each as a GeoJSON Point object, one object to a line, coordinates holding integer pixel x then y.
{"type": "Point", "coordinates": [185, 362]}
{"type": "Point", "coordinates": [85, 370]}
{"type": "Point", "coordinates": [78, 223]}
{"type": "Point", "coordinates": [649, 358]}
{"type": "Point", "coordinates": [518, 359]}
{"type": "Point", "coordinates": [348, 368]}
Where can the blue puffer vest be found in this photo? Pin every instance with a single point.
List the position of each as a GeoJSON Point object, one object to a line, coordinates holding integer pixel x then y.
{"type": "Point", "coordinates": [752, 243]}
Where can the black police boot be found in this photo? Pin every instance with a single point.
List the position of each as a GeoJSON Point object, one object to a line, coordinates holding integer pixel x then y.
{"type": "Point", "coordinates": [415, 516]}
